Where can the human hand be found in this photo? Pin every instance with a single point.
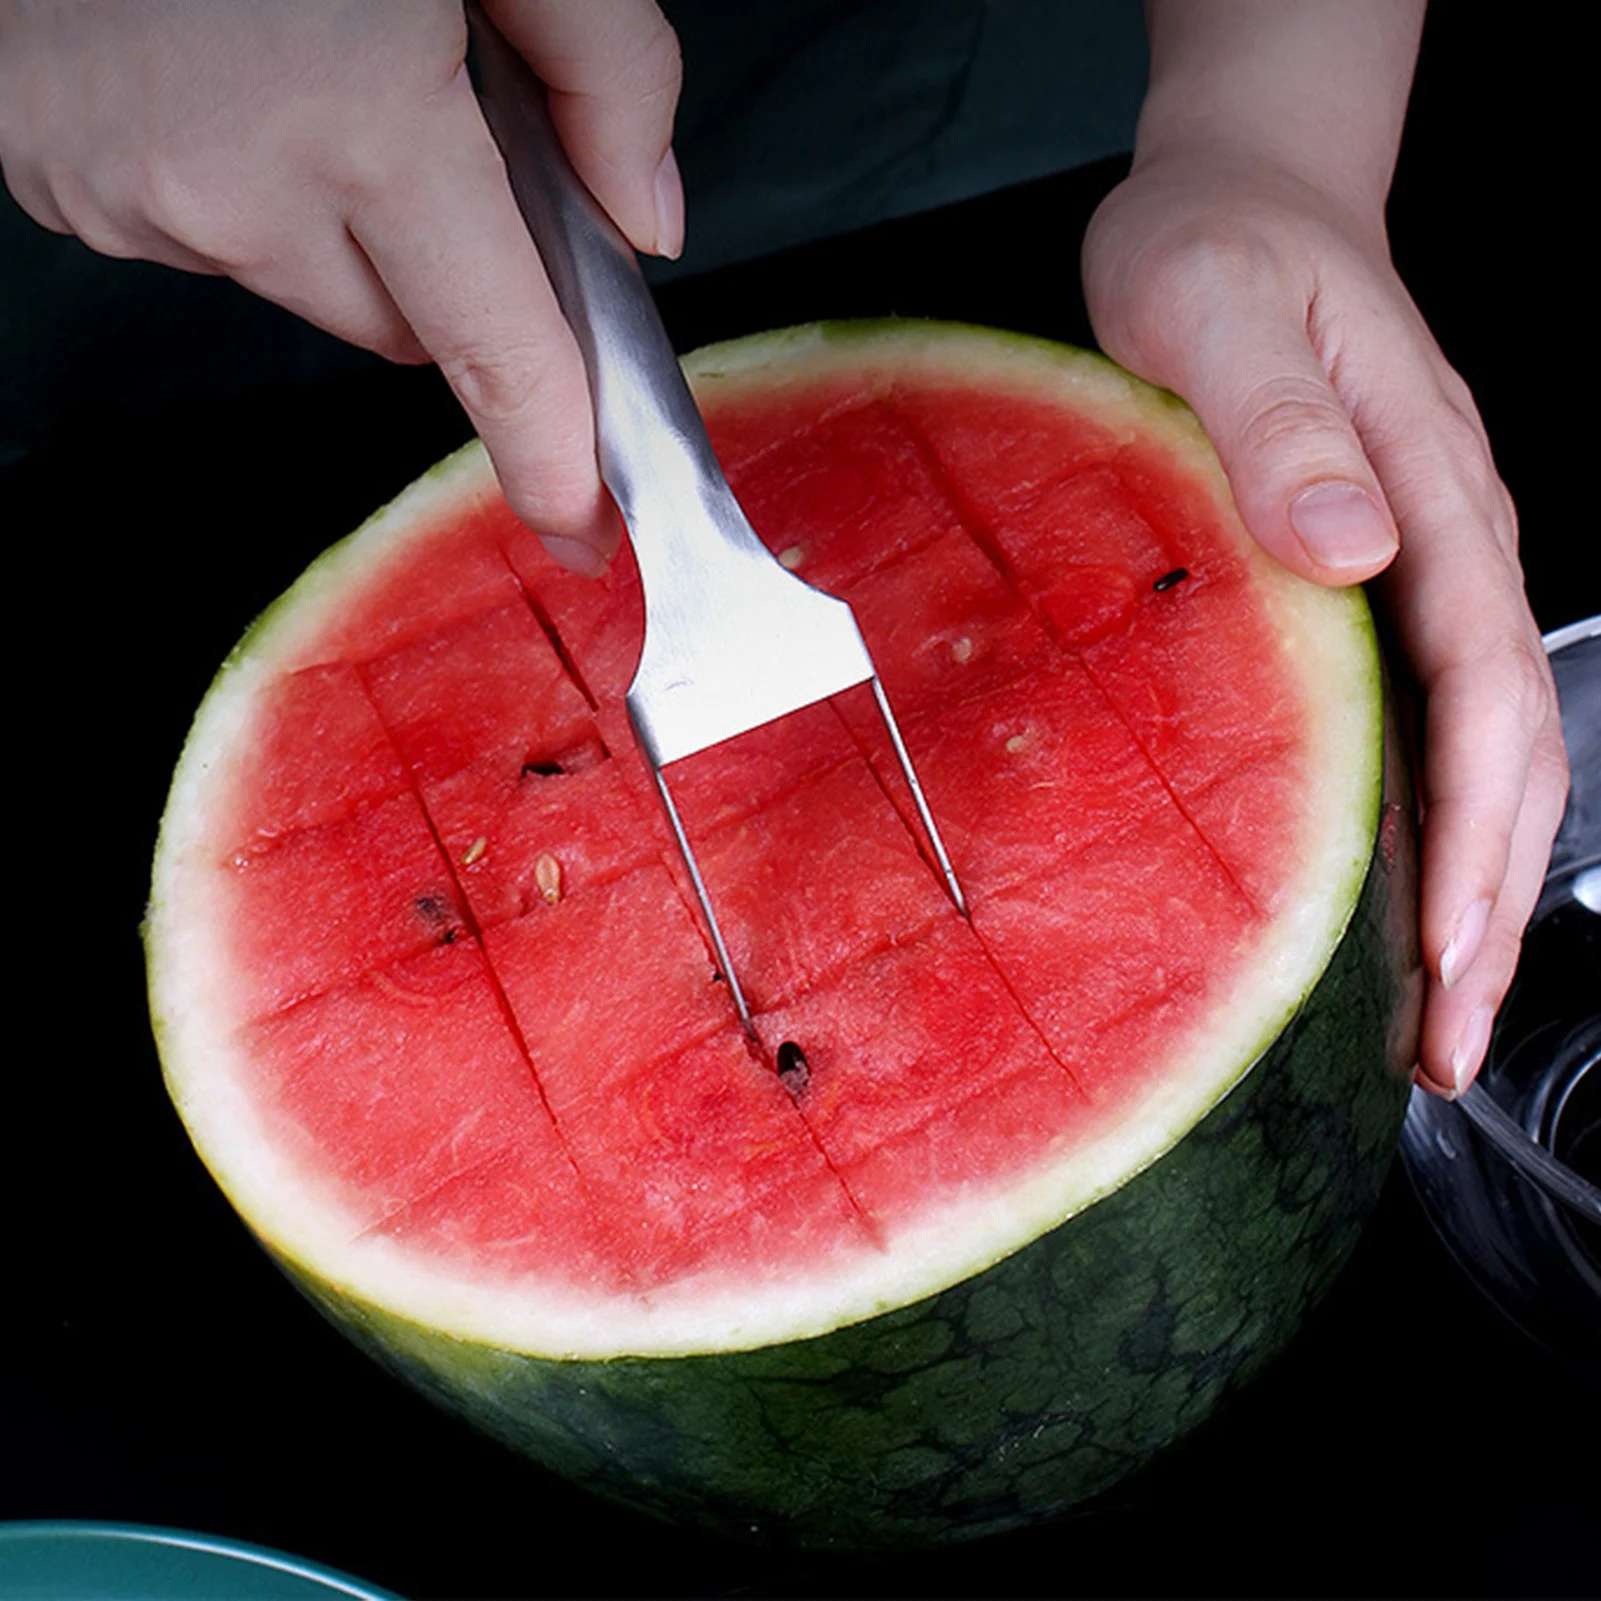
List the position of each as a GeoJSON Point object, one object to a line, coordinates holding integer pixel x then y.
{"type": "Point", "coordinates": [1269, 303]}
{"type": "Point", "coordinates": [330, 155]}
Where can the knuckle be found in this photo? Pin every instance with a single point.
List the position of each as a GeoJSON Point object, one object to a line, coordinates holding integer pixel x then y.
{"type": "Point", "coordinates": [189, 212]}
{"type": "Point", "coordinates": [1457, 393]}
{"type": "Point", "coordinates": [1498, 958]}
{"type": "Point", "coordinates": [1152, 291]}
{"type": "Point", "coordinates": [359, 174]}
{"type": "Point", "coordinates": [1446, 459]}
{"type": "Point", "coordinates": [1446, 476]}
{"type": "Point", "coordinates": [1459, 455]}
{"type": "Point", "coordinates": [1504, 519]}
{"type": "Point", "coordinates": [659, 61]}
{"type": "Point", "coordinates": [1286, 413]}
{"type": "Point", "coordinates": [1520, 677]}
{"type": "Point", "coordinates": [552, 506]}
{"type": "Point", "coordinates": [31, 191]}
{"type": "Point", "coordinates": [1550, 775]}
{"type": "Point", "coordinates": [1198, 259]}
{"type": "Point", "coordinates": [1463, 440]}
{"type": "Point", "coordinates": [637, 55]}
{"type": "Point", "coordinates": [498, 387]}
{"type": "Point", "coordinates": [536, 423]}
{"type": "Point", "coordinates": [83, 212]}
{"type": "Point", "coordinates": [172, 204]}
{"type": "Point", "coordinates": [553, 495]}
{"type": "Point", "coordinates": [22, 171]}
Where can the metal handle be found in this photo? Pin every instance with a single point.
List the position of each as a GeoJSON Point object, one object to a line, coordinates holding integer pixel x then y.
{"type": "Point", "coordinates": [651, 442]}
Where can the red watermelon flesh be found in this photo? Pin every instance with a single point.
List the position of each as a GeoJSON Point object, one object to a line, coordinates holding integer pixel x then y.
{"type": "Point", "coordinates": [474, 992]}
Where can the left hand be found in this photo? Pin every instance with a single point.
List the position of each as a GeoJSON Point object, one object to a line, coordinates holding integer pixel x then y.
{"type": "Point", "coordinates": [1269, 303]}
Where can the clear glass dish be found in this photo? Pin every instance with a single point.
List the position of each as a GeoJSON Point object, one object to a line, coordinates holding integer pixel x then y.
{"type": "Point", "coordinates": [1510, 1174]}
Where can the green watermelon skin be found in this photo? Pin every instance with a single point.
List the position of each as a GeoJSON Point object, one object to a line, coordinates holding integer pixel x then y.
{"type": "Point", "coordinates": [1044, 1379]}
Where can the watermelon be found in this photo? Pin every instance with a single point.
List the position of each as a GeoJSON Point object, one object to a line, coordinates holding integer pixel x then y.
{"type": "Point", "coordinates": [991, 1208]}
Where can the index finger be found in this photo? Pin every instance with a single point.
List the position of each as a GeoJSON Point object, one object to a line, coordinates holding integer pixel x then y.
{"type": "Point", "coordinates": [613, 71]}
{"type": "Point", "coordinates": [443, 233]}
{"type": "Point", "coordinates": [1493, 773]}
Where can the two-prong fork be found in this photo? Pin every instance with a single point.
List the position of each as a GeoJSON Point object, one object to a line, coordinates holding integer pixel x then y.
{"type": "Point", "coordinates": [732, 638]}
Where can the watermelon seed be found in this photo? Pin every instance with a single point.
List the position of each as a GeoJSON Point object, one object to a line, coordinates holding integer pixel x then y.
{"type": "Point", "coordinates": [792, 556]}
{"type": "Point", "coordinates": [1167, 580]}
{"type": "Point", "coordinates": [962, 649]}
{"type": "Point", "coordinates": [794, 1072]}
{"type": "Point", "coordinates": [437, 912]}
{"type": "Point", "coordinates": [474, 851]}
{"type": "Point", "coordinates": [542, 769]}
{"type": "Point", "coordinates": [431, 908]}
{"type": "Point", "coordinates": [547, 875]}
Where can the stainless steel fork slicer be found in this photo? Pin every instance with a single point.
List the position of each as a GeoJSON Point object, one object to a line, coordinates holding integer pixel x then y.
{"type": "Point", "coordinates": [732, 639]}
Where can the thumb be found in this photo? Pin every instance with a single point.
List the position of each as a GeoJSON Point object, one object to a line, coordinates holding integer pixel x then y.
{"type": "Point", "coordinates": [1301, 479]}
{"type": "Point", "coordinates": [613, 71]}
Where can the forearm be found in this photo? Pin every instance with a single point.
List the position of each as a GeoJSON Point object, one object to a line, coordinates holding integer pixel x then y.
{"type": "Point", "coordinates": [1319, 86]}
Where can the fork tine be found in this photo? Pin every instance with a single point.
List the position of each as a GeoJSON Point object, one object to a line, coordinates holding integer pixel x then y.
{"type": "Point", "coordinates": [910, 774]}
{"type": "Point", "coordinates": [725, 962]}
{"type": "Point", "coordinates": [930, 828]}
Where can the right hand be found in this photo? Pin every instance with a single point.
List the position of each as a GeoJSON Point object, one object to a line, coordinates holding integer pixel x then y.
{"type": "Point", "coordinates": [330, 155]}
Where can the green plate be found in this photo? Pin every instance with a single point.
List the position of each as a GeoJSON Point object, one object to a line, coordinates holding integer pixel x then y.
{"type": "Point", "coordinates": [128, 1562]}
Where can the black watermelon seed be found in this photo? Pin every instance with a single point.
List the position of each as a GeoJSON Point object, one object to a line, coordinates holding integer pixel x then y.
{"type": "Point", "coordinates": [543, 769]}
{"type": "Point", "coordinates": [794, 1071]}
{"type": "Point", "coordinates": [1167, 580]}
{"type": "Point", "coordinates": [432, 908]}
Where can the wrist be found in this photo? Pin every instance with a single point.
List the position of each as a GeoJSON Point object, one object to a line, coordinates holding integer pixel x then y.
{"type": "Point", "coordinates": [1314, 90]}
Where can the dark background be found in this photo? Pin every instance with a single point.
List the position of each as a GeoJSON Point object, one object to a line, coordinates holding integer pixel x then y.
{"type": "Point", "coordinates": [1410, 1443]}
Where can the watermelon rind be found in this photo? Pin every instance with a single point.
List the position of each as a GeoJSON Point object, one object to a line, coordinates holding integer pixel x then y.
{"type": "Point", "coordinates": [1023, 1389]}
{"type": "Point", "coordinates": [1013, 1351]}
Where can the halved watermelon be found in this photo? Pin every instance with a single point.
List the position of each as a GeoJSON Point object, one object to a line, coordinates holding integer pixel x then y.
{"type": "Point", "coordinates": [998, 1206]}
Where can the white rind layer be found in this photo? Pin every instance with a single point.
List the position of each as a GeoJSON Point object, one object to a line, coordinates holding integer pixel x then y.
{"type": "Point", "coordinates": [1327, 636]}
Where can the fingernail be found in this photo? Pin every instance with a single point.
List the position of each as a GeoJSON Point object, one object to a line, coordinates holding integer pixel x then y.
{"type": "Point", "coordinates": [669, 208]}
{"type": "Point", "coordinates": [1470, 1048]}
{"type": "Point", "coordinates": [1457, 957]}
{"type": "Point", "coordinates": [574, 555]}
{"type": "Point", "coordinates": [1341, 525]}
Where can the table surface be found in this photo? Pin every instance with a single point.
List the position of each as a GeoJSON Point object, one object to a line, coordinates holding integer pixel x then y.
{"type": "Point", "coordinates": [1410, 1441]}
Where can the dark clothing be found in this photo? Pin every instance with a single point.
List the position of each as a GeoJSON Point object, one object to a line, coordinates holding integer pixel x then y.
{"type": "Point", "coordinates": [799, 119]}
